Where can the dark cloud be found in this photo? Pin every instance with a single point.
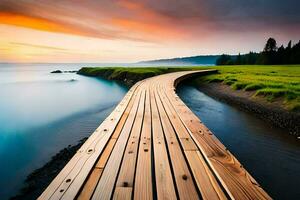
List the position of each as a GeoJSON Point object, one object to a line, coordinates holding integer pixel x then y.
{"type": "Point", "coordinates": [238, 12]}
{"type": "Point", "coordinates": [93, 16]}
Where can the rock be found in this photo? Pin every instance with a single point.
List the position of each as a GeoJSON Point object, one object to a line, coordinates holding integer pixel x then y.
{"type": "Point", "coordinates": [56, 72]}
{"type": "Point", "coordinates": [37, 181]}
{"type": "Point", "coordinates": [72, 71]}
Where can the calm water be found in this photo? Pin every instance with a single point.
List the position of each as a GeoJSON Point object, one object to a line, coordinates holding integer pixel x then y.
{"type": "Point", "coordinates": [41, 113]}
{"type": "Point", "coordinates": [270, 155]}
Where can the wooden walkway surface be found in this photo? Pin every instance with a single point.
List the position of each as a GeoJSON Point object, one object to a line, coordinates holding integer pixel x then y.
{"type": "Point", "coordinates": [153, 147]}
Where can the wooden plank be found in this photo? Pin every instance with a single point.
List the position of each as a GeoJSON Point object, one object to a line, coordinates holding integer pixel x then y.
{"type": "Point", "coordinates": [106, 153]}
{"type": "Point", "coordinates": [86, 167]}
{"type": "Point", "coordinates": [123, 193]}
{"type": "Point", "coordinates": [127, 167]}
{"type": "Point", "coordinates": [188, 144]}
{"type": "Point", "coordinates": [184, 181]}
{"type": "Point", "coordinates": [143, 177]}
{"type": "Point", "coordinates": [164, 182]}
{"type": "Point", "coordinates": [205, 180]}
{"type": "Point", "coordinates": [90, 185]}
{"type": "Point", "coordinates": [106, 183]}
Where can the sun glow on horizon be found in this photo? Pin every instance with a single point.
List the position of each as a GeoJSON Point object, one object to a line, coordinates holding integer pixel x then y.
{"type": "Point", "coordinates": [129, 30]}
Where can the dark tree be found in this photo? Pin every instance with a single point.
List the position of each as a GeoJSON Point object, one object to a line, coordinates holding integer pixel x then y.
{"type": "Point", "coordinates": [224, 60]}
{"type": "Point", "coordinates": [295, 54]}
{"type": "Point", "coordinates": [289, 46]}
{"type": "Point", "coordinates": [238, 60]}
{"type": "Point", "coordinates": [271, 45]}
{"type": "Point", "coordinates": [280, 59]}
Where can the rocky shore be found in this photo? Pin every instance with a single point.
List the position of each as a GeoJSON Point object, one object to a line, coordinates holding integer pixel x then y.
{"type": "Point", "coordinates": [39, 179]}
{"type": "Point", "coordinates": [60, 71]}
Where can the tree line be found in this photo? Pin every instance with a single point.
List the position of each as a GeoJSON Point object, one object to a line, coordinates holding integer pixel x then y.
{"type": "Point", "coordinates": [271, 55]}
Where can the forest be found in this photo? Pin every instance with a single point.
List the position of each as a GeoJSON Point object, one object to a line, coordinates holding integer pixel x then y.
{"type": "Point", "coordinates": [271, 55]}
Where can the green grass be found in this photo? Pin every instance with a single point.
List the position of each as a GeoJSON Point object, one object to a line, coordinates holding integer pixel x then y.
{"type": "Point", "coordinates": [130, 75]}
{"type": "Point", "coordinates": [116, 71]}
{"type": "Point", "coordinates": [271, 82]}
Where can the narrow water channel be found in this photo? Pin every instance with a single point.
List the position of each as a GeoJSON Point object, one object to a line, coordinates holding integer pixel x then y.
{"type": "Point", "coordinates": [269, 154]}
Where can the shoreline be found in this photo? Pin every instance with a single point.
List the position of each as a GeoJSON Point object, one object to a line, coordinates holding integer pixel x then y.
{"type": "Point", "coordinates": [40, 178]}
{"type": "Point", "coordinates": [272, 113]}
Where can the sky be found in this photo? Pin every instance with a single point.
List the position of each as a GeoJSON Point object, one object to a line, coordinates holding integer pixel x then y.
{"type": "Point", "coordinates": [135, 30]}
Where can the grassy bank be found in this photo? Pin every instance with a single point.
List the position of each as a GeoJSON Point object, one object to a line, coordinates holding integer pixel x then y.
{"type": "Point", "coordinates": [272, 82]}
{"type": "Point", "coordinates": [117, 71]}
{"type": "Point", "coordinates": [129, 75]}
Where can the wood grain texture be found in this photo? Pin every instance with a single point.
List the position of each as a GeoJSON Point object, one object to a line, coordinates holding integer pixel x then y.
{"type": "Point", "coordinates": [127, 167]}
{"type": "Point", "coordinates": [69, 181]}
{"type": "Point", "coordinates": [143, 177]}
{"type": "Point", "coordinates": [89, 187]}
{"type": "Point", "coordinates": [152, 146]}
{"type": "Point", "coordinates": [185, 185]}
{"type": "Point", "coordinates": [165, 187]}
{"type": "Point", "coordinates": [106, 183]}
{"type": "Point", "coordinates": [205, 180]}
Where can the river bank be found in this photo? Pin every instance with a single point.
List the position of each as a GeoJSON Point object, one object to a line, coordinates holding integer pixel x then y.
{"type": "Point", "coordinates": [129, 76]}
{"type": "Point", "coordinates": [273, 113]}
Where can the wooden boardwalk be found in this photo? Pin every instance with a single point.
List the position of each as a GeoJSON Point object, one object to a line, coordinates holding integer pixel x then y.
{"type": "Point", "coordinates": [153, 147]}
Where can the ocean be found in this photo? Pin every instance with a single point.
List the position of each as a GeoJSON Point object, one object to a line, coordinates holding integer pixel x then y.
{"type": "Point", "coordinates": [42, 113]}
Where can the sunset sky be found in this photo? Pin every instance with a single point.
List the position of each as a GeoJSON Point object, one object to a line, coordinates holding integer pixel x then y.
{"type": "Point", "coordinates": [134, 30]}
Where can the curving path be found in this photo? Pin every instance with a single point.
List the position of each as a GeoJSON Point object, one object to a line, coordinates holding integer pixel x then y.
{"type": "Point", "coordinates": [153, 146]}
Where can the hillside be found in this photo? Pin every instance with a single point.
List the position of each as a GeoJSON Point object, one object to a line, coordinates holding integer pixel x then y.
{"type": "Point", "coordinates": [194, 60]}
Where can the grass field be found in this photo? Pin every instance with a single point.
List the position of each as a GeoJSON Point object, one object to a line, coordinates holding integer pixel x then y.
{"type": "Point", "coordinates": [272, 82]}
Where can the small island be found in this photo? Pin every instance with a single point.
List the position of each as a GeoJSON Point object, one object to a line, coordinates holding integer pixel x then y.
{"type": "Point", "coordinates": [56, 72]}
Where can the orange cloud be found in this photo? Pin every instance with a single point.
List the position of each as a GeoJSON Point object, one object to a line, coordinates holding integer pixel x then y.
{"type": "Point", "coordinates": [150, 30]}
{"type": "Point", "coordinates": [144, 12]}
{"type": "Point", "coordinates": [57, 26]}
{"type": "Point", "coordinates": [130, 5]}
{"type": "Point", "coordinates": [146, 21]}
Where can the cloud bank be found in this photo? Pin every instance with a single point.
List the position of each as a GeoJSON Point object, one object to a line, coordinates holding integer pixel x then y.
{"type": "Point", "coordinates": [184, 22]}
